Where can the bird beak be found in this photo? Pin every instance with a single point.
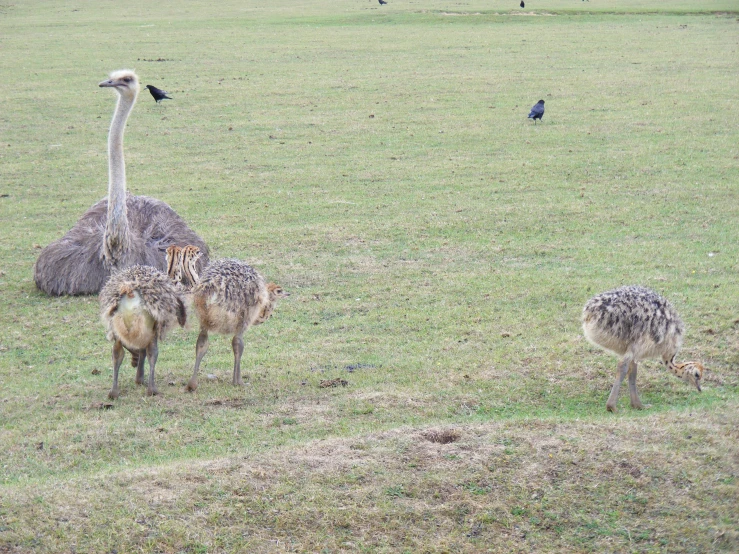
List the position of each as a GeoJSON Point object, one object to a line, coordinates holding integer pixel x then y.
{"type": "Point", "coordinates": [108, 83]}
{"type": "Point", "coordinates": [698, 386]}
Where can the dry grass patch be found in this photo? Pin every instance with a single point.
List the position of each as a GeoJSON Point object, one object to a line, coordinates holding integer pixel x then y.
{"type": "Point", "coordinates": [661, 483]}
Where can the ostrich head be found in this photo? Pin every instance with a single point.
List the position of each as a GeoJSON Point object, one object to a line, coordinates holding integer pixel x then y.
{"type": "Point", "coordinates": [125, 82]}
{"type": "Point", "coordinates": [692, 372]}
{"type": "Point", "coordinates": [275, 292]}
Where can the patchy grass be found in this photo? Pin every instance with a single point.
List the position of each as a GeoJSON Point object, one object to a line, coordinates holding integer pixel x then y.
{"type": "Point", "coordinates": [438, 249]}
{"type": "Point", "coordinates": [545, 486]}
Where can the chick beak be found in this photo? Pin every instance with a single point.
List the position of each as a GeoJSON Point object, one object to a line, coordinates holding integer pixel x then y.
{"type": "Point", "coordinates": [698, 386]}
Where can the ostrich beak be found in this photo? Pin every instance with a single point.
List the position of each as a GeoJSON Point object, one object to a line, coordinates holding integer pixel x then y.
{"type": "Point", "coordinates": [107, 83]}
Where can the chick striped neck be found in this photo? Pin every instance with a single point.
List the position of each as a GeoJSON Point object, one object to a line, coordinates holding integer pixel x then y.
{"type": "Point", "coordinates": [190, 256]}
{"type": "Point", "coordinates": [182, 265]}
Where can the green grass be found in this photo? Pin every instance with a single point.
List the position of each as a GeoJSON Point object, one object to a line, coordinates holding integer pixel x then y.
{"type": "Point", "coordinates": [438, 248]}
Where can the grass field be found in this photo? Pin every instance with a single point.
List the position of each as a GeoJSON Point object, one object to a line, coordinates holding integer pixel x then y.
{"type": "Point", "coordinates": [438, 247]}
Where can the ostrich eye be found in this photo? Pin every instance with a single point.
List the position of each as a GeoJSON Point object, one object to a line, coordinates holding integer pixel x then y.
{"type": "Point", "coordinates": [127, 79]}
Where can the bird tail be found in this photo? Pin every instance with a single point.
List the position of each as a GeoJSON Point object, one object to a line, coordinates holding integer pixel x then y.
{"type": "Point", "coordinates": [181, 313]}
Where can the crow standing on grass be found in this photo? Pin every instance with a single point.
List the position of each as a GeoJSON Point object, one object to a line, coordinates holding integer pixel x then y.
{"type": "Point", "coordinates": [522, 4]}
{"type": "Point", "coordinates": [158, 93]}
{"type": "Point", "coordinates": [537, 112]}
{"type": "Point", "coordinates": [382, 2]}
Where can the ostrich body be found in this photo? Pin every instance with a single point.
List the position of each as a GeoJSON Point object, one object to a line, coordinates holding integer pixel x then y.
{"type": "Point", "coordinates": [229, 298]}
{"type": "Point", "coordinates": [637, 323]}
{"type": "Point", "coordinates": [117, 232]}
{"type": "Point", "coordinates": [138, 306]}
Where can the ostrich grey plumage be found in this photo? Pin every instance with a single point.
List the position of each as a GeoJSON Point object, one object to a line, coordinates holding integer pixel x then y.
{"type": "Point", "coordinates": [230, 297]}
{"type": "Point", "coordinates": [637, 323]}
{"type": "Point", "coordinates": [119, 231]}
{"type": "Point", "coordinates": [138, 306]}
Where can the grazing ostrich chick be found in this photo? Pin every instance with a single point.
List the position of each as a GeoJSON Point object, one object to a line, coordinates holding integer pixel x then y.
{"type": "Point", "coordinates": [230, 297]}
{"type": "Point", "coordinates": [637, 323]}
{"type": "Point", "coordinates": [138, 305]}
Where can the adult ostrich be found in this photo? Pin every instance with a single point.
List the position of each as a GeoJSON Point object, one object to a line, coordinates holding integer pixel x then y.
{"type": "Point", "coordinates": [119, 231]}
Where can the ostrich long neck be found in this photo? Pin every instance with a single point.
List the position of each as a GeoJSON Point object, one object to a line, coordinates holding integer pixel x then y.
{"type": "Point", "coordinates": [117, 240]}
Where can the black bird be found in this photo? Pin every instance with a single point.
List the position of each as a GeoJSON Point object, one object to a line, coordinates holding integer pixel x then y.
{"type": "Point", "coordinates": [537, 112]}
{"type": "Point", "coordinates": [522, 4]}
{"type": "Point", "coordinates": [158, 93]}
{"type": "Point", "coordinates": [382, 2]}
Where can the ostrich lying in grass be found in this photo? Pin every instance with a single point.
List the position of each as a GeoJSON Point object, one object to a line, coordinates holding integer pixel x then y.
{"type": "Point", "coordinates": [119, 231]}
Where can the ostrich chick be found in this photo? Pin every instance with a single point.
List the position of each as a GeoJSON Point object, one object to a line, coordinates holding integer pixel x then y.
{"type": "Point", "coordinates": [138, 306]}
{"type": "Point", "coordinates": [637, 323]}
{"type": "Point", "coordinates": [229, 298]}
{"type": "Point", "coordinates": [183, 272]}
